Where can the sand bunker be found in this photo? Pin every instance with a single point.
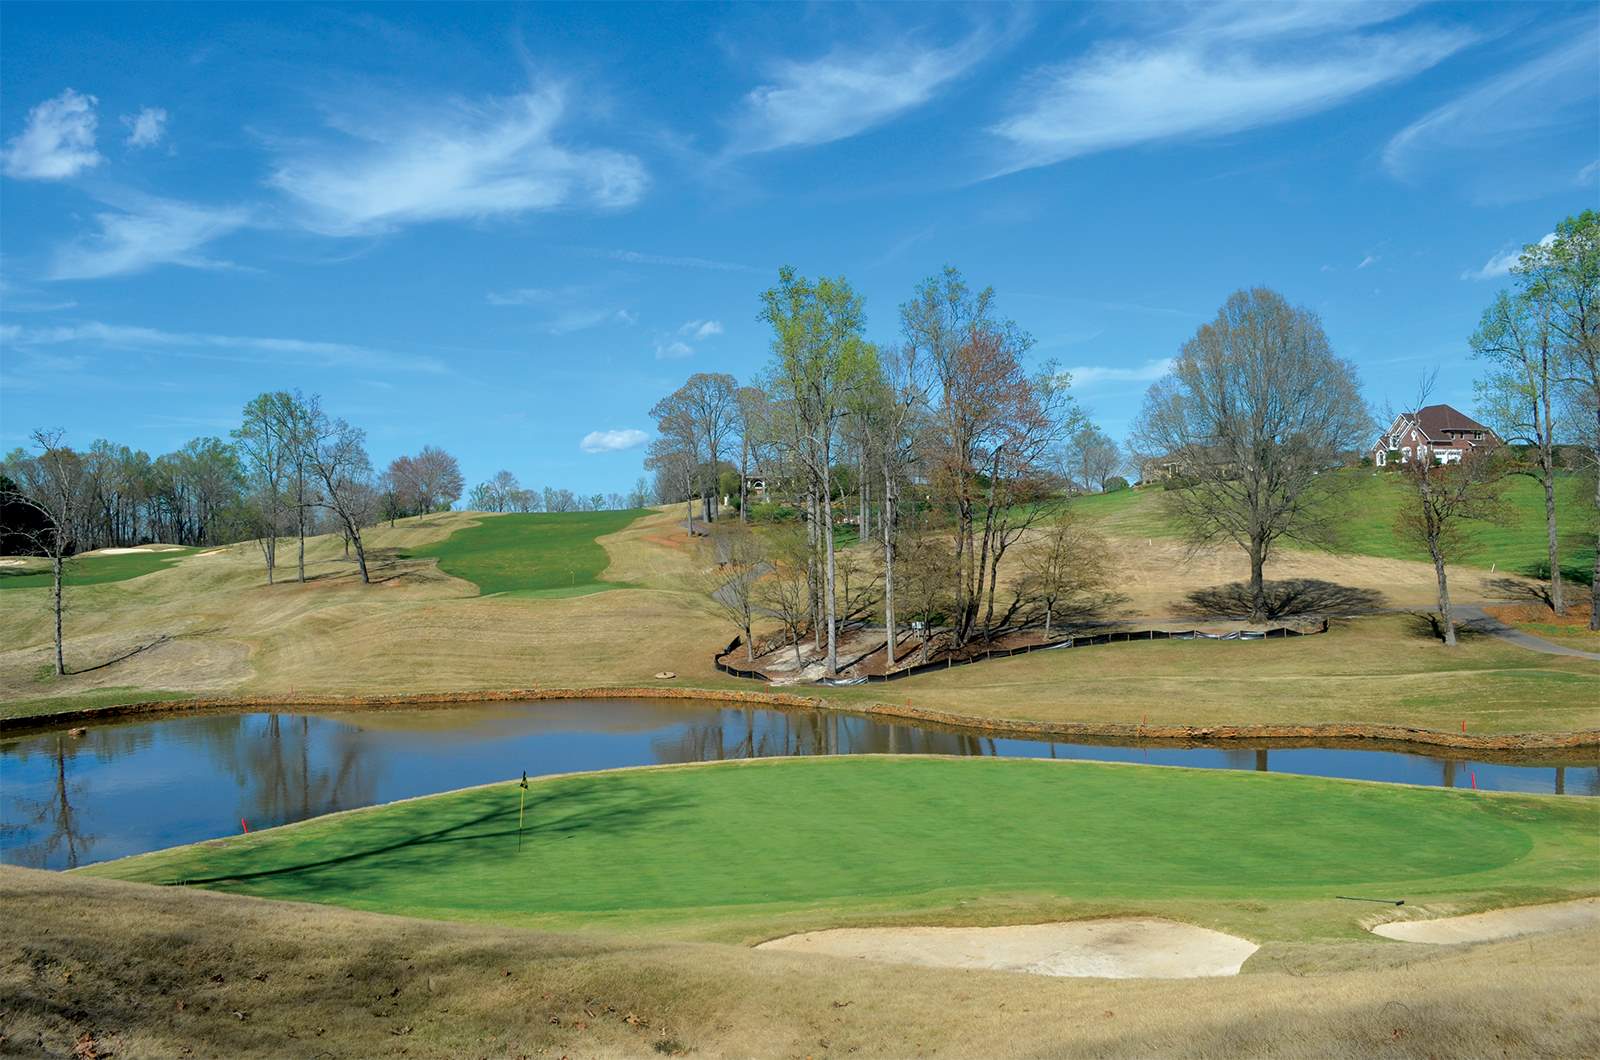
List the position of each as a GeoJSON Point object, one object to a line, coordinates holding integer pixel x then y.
{"type": "Point", "coordinates": [1495, 924]}
{"type": "Point", "coordinates": [1126, 948]}
{"type": "Point", "coordinates": [136, 548]}
{"type": "Point", "coordinates": [11, 562]}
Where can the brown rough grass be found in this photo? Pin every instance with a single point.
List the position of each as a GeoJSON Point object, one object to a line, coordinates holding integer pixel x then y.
{"type": "Point", "coordinates": [419, 630]}
{"type": "Point", "coordinates": [145, 971]}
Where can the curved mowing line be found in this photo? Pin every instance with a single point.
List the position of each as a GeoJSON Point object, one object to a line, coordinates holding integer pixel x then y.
{"type": "Point", "coordinates": [545, 553]}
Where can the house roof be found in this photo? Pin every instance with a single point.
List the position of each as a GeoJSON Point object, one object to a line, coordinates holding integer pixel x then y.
{"type": "Point", "coordinates": [1435, 420]}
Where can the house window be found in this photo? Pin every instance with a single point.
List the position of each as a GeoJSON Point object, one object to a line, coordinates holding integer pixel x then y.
{"type": "Point", "coordinates": [1405, 455]}
{"type": "Point", "coordinates": [1378, 457]}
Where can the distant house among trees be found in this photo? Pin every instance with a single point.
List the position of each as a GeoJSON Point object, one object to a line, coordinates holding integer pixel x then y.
{"type": "Point", "coordinates": [1437, 431]}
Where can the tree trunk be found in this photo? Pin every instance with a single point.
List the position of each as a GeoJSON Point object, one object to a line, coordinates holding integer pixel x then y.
{"type": "Point", "coordinates": [300, 517]}
{"type": "Point", "coordinates": [886, 522]}
{"type": "Point", "coordinates": [1049, 610]}
{"type": "Point", "coordinates": [827, 548]}
{"type": "Point", "coordinates": [1258, 586]}
{"type": "Point", "coordinates": [361, 553]}
{"type": "Point", "coordinates": [1594, 584]}
{"type": "Point", "coordinates": [744, 480]}
{"type": "Point", "coordinates": [272, 555]}
{"type": "Point", "coordinates": [1444, 595]}
{"type": "Point", "coordinates": [55, 570]}
{"type": "Point", "coordinates": [1548, 474]}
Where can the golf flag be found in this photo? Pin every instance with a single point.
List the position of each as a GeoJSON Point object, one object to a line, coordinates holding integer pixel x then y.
{"type": "Point", "coordinates": [522, 805]}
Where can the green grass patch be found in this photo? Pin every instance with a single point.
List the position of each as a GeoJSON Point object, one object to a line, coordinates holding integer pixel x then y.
{"type": "Point", "coordinates": [100, 697]}
{"type": "Point", "coordinates": [547, 553]}
{"type": "Point", "coordinates": [826, 838]}
{"type": "Point", "coordinates": [93, 570]}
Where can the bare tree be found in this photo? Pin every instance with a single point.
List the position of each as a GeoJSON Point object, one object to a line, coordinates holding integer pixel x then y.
{"type": "Point", "coordinates": [1256, 408]}
{"type": "Point", "coordinates": [926, 572]}
{"type": "Point", "coordinates": [291, 421]}
{"type": "Point", "coordinates": [337, 456]}
{"type": "Point", "coordinates": [434, 479]}
{"type": "Point", "coordinates": [267, 459]}
{"type": "Point", "coordinates": [1518, 394]}
{"type": "Point", "coordinates": [996, 431]}
{"type": "Point", "coordinates": [819, 356]}
{"type": "Point", "coordinates": [52, 483]}
{"type": "Point", "coordinates": [785, 592]}
{"type": "Point", "coordinates": [1569, 268]}
{"type": "Point", "coordinates": [739, 563]}
{"type": "Point", "coordinates": [674, 452]}
{"type": "Point", "coordinates": [1439, 499]}
{"type": "Point", "coordinates": [750, 414]}
{"type": "Point", "coordinates": [1068, 562]}
{"type": "Point", "coordinates": [1091, 458]}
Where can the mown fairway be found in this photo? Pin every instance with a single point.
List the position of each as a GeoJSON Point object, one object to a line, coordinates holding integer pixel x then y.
{"type": "Point", "coordinates": [92, 570]}
{"type": "Point", "coordinates": [1368, 524]}
{"type": "Point", "coordinates": [549, 553]}
{"type": "Point", "coordinates": [740, 847]}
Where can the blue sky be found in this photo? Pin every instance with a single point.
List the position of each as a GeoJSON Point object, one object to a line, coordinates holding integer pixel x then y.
{"type": "Point", "coordinates": [508, 230]}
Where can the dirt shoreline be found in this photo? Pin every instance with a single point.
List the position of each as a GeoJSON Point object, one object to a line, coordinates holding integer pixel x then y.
{"type": "Point", "coordinates": [1323, 731]}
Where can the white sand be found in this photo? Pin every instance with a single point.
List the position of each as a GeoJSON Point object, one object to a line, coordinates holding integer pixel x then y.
{"type": "Point", "coordinates": [136, 548]}
{"type": "Point", "coordinates": [1127, 948]}
{"type": "Point", "coordinates": [12, 562]}
{"type": "Point", "coordinates": [1495, 924]}
{"type": "Point", "coordinates": [212, 552]}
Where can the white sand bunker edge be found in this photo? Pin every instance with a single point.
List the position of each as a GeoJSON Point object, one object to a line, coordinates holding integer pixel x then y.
{"type": "Point", "coordinates": [1495, 924]}
{"type": "Point", "coordinates": [1122, 948]}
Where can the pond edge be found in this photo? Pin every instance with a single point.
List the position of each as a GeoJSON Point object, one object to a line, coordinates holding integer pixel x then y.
{"type": "Point", "coordinates": [1580, 738]}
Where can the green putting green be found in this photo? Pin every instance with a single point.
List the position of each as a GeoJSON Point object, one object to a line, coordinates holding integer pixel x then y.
{"type": "Point", "coordinates": [549, 553]}
{"type": "Point", "coordinates": [829, 837]}
{"type": "Point", "coordinates": [94, 570]}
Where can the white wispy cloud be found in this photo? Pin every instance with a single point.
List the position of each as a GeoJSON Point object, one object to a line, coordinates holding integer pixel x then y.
{"type": "Point", "coordinates": [848, 91]}
{"type": "Point", "coordinates": [58, 140]}
{"type": "Point", "coordinates": [613, 441]}
{"type": "Point", "coordinates": [584, 319]}
{"type": "Point", "coordinates": [673, 349]}
{"type": "Point", "coordinates": [1555, 92]}
{"type": "Point", "coordinates": [634, 257]}
{"type": "Point", "coordinates": [236, 348]}
{"type": "Point", "coordinates": [143, 232]}
{"type": "Point", "coordinates": [1502, 263]}
{"type": "Point", "coordinates": [1231, 68]}
{"type": "Point", "coordinates": [146, 128]}
{"type": "Point", "coordinates": [1370, 259]}
{"type": "Point", "coordinates": [452, 160]}
{"type": "Point", "coordinates": [701, 329]}
{"type": "Point", "coordinates": [1087, 375]}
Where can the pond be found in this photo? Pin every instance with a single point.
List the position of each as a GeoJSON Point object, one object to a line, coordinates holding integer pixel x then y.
{"type": "Point", "coordinates": [127, 787]}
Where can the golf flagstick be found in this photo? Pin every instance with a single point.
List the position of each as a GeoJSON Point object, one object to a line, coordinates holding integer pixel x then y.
{"type": "Point", "coordinates": [522, 805]}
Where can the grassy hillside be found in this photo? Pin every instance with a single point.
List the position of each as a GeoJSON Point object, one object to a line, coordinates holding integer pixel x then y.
{"type": "Point", "coordinates": [241, 977]}
{"type": "Point", "coordinates": [552, 553]}
{"type": "Point", "coordinates": [1367, 528]}
{"type": "Point", "coordinates": [826, 840]}
{"type": "Point", "coordinates": [92, 569]}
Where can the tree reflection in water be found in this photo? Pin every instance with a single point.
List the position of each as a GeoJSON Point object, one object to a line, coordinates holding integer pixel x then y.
{"type": "Point", "coordinates": [65, 843]}
{"type": "Point", "coordinates": [270, 757]}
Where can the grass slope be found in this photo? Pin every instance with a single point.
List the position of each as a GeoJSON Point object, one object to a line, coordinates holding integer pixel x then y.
{"type": "Point", "coordinates": [92, 569]}
{"type": "Point", "coordinates": [729, 849]}
{"type": "Point", "coordinates": [1374, 500]}
{"type": "Point", "coordinates": [552, 553]}
{"type": "Point", "coordinates": [148, 971]}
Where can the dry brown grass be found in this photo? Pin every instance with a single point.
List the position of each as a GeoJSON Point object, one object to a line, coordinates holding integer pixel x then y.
{"type": "Point", "coordinates": [419, 630]}
{"type": "Point", "coordinates": [169, 972]}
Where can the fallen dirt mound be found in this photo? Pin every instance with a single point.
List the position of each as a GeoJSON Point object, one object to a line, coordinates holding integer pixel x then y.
{"type": "Point", "coordinates": [1495, 924]}
{"type": "Point", "coordinates": [1127, 948]}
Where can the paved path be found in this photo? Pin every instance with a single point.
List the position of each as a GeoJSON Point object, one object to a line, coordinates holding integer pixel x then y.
{"type": "Point", "coordinates": [1479, 619]}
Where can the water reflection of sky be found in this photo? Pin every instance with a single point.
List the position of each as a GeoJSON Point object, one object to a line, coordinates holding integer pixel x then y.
{"type": "Point", "coordinates": [135, 786]}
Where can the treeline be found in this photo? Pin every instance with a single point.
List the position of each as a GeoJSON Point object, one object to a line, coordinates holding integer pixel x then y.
{"type": "Point", "coordinates": [940, 448]}
{"type": "Point", "coordinates": [503, 493]}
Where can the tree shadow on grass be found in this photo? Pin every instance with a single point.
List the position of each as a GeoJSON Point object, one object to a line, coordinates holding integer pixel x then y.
{"type": "Point", "coordinates": [1428, 625]}
{"type": "Point", "coordinates": [1520, 591]}
{"type": "Point", "coordinates": [1298, 596]}
{"type": "Point", "coordinates": [621, 809]}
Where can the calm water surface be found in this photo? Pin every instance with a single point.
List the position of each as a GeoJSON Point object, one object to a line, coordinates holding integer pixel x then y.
{"type": "Point", "coordinates": [129, 787]}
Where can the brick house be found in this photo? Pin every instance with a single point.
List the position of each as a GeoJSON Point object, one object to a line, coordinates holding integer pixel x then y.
{"type": "Point", "coordinates": [1438, 431]}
